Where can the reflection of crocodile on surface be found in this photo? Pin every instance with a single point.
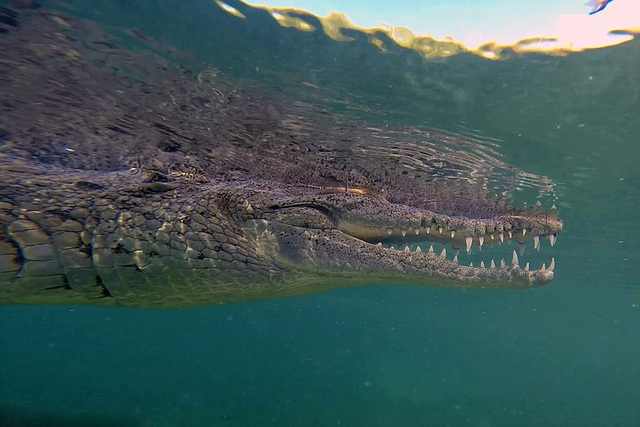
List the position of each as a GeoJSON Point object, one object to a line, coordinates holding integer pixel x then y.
{"type": "Point", "coordinates": [169, 192]}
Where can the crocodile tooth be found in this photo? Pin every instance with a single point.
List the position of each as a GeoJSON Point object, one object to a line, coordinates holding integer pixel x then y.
{"type": "Point", "coordinates": [455, 259]}
{"type": "Point", "coordinates": [552, 265]}
{"type": "Point", "coordinates": [492, 236]}
{"type": "Point", "coordinates": [440, 229]}
{"type": "Point", "coordinates": [456, 251]}
{"type": "Point", "coordinates": [416, 230]}
{"type": "Point", "coordinates": [443, 254]}
{"type": "Point", "coordinates": [481, 240]}
{"type": "Point", "coordinates": [501, 236]}
{"type": "Point", "coordinates": [418, 250]}
{"type": "Point", "coordinates": [536, 243]}
{"type": "Point", "coordinates": [543, 268]}
{"type": "Point", "coordinates": [379, 244]}
{"type": "Point", "coordinates": [510, 234]}
{"type": "Point", "coordinates": [469, 241]}
{"type": "Point", "coordinates": [492, 265]}
{"type": "Point", "coordinates": [428, 229]}
{"type": "Point", "coordinates": [552, 239]}
{"type": "Point", "coordinates": [553, 206]}
{"type": "Point", "coordinates": [389, 231]}
{"type": "Point", "coordinates": [471, 264]}
{"type": "Point", "coordinates": [526, 267]}
{"type": "Point", "coordinates": [524, 231]}
{"type": "Point", "coordinates": [407, 249]}
{"type": "Point", "coordinates": [514, 260]}
{"type": "Point", "coordinates": [453, 233]}
{"type": "Point", "coordinates": [431, 249]}
{"type": "Point", "coordinates": [502, 263]}
{"type": "Point", "coordinates": [482, 264]}
{"type": "Point", "coordinates": [521, 249]}
{"type": "Point", "coordinates": [404, 233]}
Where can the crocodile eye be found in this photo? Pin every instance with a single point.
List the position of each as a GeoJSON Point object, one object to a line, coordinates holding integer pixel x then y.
{"type": "Point", "coordinates": [303, 217]}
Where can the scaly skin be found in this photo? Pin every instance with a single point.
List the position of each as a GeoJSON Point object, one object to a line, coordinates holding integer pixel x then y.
{"type": "Point", "coordinates": [169, 192]}
{"type": "Point", "coordinates": [113, 239]}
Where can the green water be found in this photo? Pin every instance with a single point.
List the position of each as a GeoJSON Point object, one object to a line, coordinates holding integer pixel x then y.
{"type": "Point", "coordinates": [566, 354]}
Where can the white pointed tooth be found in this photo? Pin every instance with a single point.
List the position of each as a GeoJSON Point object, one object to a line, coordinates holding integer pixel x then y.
{"type": "Point", "coordinates": [501, 236]}
{"type": "Point", "coordinates": [469, 241]}
{"type": "Point", "coordinates": [481, 240]}
{"type": "Point", "coordinates": [552, 239]}
{"type": "Point", "coordinates": [526, 267]}
{"type": "Point", "coordinates": [492, 236]}
{"type": "Point", "coordinates": [514, 260]}
{"type": "Point", "coordinates": [453, 233]}
{"type": "Point", "coordinates": [404, 233]}
{"type": "Point", "coordinates": [443, 254]}
{"type": "Point", "coordinates": [502, 263]}
{"type": "Point", "coordinates": [521, 249]}
{"type": "Point", "coordinates": [440, 230]}
{"type": "Point", "coordinates": [536, 243]}
{"type": "Point", "coordinates": [407, 249]}
{"type": "Point", "coordinates": [431, 248]}
{"type": "Point", "coordinates": [392, 247]}
{"type": "Point", "coordinates": [552, 265]}
{"type": "Point", "coordinates": [482, 264]}
{"type": "Point", "coordinates": [524, 231]}
{"type": "Point", "coordinates": [543, 268]}
{"type": "Point", "coordinates": [492, 265]}
{"type": "Point", "coordinates": [510, 234]}
{"type": "Point", "coordinates": [428, 230]}
{"type": "Point", "coordinates": [471, 264]}
{"type": "Point", "coordinates": [389, 230]}
{"type": "Point", "coordinates": [456, 251]}
{"type": "Point", "coordinates": [379, 244]}
{"type": "Point", "coordinates": [416, 230]}
{"type": "Point", "coordinates": [455, 259]}
{"type": "Point", "coordinates": [553, 206]}
{"type": "Point", "coordinates": [418, 250]}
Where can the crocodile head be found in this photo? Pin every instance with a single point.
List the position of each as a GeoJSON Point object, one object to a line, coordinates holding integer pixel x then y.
{"type": "Point", "coordinates": [347, 231]}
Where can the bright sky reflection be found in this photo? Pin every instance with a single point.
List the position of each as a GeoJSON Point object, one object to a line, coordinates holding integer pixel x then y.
{"type": "Point", "coordinates": [482, 21]}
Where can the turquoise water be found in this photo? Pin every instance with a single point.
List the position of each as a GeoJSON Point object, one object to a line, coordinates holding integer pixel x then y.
{"type": "Point", "coordinates": [566, 354]}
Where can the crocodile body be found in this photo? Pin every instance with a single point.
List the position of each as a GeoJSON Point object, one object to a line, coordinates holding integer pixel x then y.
{"type": "Point", "coordinates": [174, 193]}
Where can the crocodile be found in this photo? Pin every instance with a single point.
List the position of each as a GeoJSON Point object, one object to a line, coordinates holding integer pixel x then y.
{"type": "Point", "coordinates": [188, 190]}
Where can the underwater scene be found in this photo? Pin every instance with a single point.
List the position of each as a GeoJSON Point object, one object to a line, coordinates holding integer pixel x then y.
{"type": "Point", "coordinates": [217, 213]}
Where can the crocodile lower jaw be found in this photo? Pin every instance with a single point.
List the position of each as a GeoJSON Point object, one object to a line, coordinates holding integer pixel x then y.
{"type": "Point", "coordinates": [420, 240]}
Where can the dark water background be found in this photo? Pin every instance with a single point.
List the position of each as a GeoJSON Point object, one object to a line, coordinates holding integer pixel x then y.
{"type": "Point", "coordinates": [567, 354]}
